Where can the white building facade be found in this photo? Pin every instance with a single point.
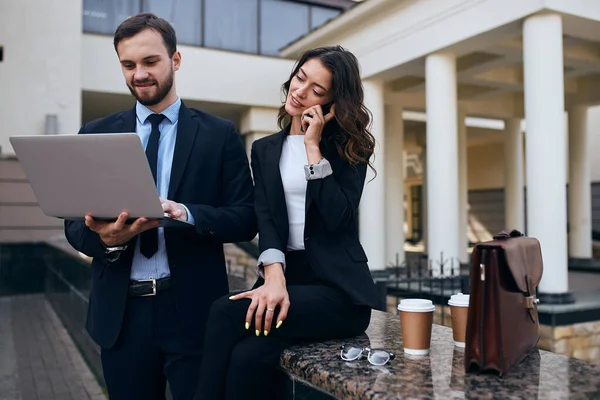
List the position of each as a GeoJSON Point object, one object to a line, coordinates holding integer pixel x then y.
{"type": "Point", "coordinates": [532, 64]}
{"type": "Point", "coordinates": [58, 69]}
{"type": "Point", "coordinates": [484, 110]}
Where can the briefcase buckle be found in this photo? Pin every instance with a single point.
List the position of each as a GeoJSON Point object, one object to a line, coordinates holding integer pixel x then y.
{"type": "Point", "coordinates": [153, 287]}
{"type": "Point", "coordinates": [531, 301]}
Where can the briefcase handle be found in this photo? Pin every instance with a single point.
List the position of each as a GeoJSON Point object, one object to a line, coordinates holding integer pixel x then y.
{"type": "Point", "coordinates": [507, 233]}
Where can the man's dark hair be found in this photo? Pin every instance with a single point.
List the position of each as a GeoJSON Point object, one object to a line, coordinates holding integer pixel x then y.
{"type": "Point", "coordinates": [134, 25]}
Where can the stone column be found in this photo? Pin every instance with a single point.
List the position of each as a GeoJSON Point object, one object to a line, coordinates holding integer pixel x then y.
{"type": "Point", "coordinates": [422, 143]}
{"type": "Point", "coordinates": [394, 175]}
{"type": "Point", "coordinates": [256, 123]}
{"type": "Point", "coordinates": [372, 206]}
{"type": "Point", "coordinates": [580, 197]}
{"type": "Point", "coordinates": [442, 162]}
{"type": "Point", "coordinates": [514, 197]}
{"type": "Point", "coordinates": [545, 150]}
{"type": "Point", "coordinates": [424, 211]}
{"type": "Point", "coordinates": [463, 188]}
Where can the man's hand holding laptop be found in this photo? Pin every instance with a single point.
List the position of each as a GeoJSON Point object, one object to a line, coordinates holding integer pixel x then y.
{"type": "Point", "coordinates": [119, 232]}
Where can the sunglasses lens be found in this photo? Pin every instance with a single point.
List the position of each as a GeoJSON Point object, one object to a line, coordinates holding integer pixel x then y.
{"type": "Point", "coordinates": [351, 353]}
{"type": "Point", "coordinates": [379, 357]}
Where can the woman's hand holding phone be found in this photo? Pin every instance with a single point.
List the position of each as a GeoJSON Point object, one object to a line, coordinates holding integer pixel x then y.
{"type": "Point", "coordinates": [313, 122]}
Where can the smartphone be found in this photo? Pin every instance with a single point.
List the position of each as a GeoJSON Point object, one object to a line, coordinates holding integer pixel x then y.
{"type": "Point", "coordinates": [326, 108]}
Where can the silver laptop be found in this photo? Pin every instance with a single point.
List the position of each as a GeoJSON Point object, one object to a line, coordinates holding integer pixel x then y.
{"type": "Point", "coordinates": [100, 174]}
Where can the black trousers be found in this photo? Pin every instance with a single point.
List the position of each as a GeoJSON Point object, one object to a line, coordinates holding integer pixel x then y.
{"type": "Point", "coordinates": [239, 365]}
{"type": "Point", "coordinates": [153, 347]}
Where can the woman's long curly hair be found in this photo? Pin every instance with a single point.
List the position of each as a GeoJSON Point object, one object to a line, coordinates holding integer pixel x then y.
{"type": "Point", "coordinates": [349, 131]}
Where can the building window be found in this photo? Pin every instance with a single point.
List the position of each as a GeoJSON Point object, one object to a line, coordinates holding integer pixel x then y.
{"type": "Point", "coordinates": [249, 26]}
{"type": "Point", "coordinates": [416, 195]}
{"type": "Point", "coordinates": [280, 23]}
{"type": "Point", "coordinates": [104, 16]}
{"type": "Point", "coordinates": [320, 15]}
{"type": "Point", "coordinates": [231, 25]}
{"type": "Point", "coordinates": [184, 15]}
{"type": "Point", "coordinates": [1, 53]}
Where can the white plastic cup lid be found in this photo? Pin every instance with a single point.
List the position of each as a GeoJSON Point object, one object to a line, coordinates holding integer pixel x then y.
{"type": "Point", "coordinates": [416, 305]}
{"type": "Point", "coordinates": [459, 300]}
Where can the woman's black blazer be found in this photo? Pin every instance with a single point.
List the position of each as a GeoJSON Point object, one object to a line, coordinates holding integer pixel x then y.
{"type": "Point", "coordinates": [331, 225]}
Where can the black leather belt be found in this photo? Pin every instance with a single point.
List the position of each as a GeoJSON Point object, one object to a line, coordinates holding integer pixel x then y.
{"type": "Point", "coordinates": [149, 287]}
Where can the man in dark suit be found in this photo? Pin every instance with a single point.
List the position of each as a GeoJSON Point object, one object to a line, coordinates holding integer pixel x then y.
{"type": "Point", "coordinates": [152, 287]}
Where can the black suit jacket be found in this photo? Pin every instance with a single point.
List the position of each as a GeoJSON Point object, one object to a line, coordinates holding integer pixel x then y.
{"type": "Point", "coordinates": [210, 175]}
{"type": "Point", "coordinates": [331, 225]}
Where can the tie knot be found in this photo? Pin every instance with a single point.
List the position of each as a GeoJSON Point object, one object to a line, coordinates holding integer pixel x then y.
{"type": "Point", "coordinates": [155, 119]}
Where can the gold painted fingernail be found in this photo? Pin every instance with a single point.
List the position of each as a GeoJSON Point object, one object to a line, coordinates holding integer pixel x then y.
{"type": "Point", "coordinates": [278, 324]}
{"type": "Point", "coordinates": [266, 332]}
{"type": "Point", "coordinates": [247, 325]}
{"type": "Point", "coordinates": [257, 332]}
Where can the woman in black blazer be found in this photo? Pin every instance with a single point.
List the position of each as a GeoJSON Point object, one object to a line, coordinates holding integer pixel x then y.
{"type": "Point", "coordinates": [314, 280]}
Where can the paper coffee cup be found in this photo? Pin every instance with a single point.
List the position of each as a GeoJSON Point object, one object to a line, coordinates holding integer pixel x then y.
{"type": "Point", "coordinates": [416, 319]}
{"type": "Point", "coordinates": [459, 309]}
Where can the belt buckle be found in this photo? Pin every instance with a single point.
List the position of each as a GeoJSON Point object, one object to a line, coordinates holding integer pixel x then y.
{"type": "Point", "coordinates": [153, 287]}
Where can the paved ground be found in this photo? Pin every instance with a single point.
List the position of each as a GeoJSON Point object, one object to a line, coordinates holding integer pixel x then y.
{"type": "Point", "coordinates": [38, 359]}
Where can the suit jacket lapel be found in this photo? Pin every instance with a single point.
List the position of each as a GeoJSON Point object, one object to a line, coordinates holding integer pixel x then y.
{"type": "Point", "coordinates": [274, 185]}
{"type": "Point", "coordinates": [128, 122]}
{"type": "Point", "coordinates": [187, 129]}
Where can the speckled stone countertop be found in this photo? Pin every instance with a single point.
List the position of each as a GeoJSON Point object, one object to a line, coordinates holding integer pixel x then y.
{"type": "Point", "coordinates": [542, 375]}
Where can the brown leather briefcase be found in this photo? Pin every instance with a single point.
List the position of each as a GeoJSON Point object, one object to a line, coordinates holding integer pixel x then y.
{"type": "Point", "coordinates": [503, 326]}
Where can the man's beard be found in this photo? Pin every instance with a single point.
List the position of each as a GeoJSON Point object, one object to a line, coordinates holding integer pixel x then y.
{"type": "Point", "coordinates": [162, 91]}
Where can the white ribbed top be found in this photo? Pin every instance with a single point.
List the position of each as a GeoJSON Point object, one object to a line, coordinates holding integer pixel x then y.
{"type": "Point", "coordinates": [291, 166]}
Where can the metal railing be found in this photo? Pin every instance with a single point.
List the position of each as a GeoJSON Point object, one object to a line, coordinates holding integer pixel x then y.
{"type": "Point", "coordinates": [429, 278]}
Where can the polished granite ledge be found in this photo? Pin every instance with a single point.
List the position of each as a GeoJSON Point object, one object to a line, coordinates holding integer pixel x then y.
{"type": "Point", "coordinates": [440, 375]}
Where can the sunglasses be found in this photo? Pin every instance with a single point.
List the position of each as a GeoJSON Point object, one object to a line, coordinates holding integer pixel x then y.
{"type": "Point", "coordinates": [375, 357]}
